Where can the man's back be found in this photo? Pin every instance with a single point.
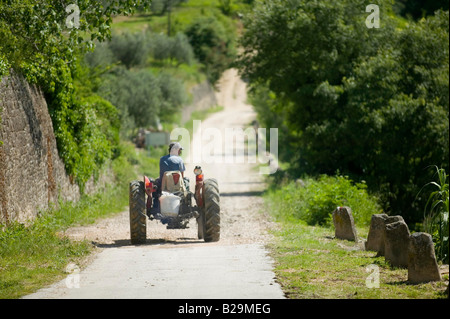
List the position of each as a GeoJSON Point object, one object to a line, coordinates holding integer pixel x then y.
{"type": "Point", "coordinates": [170, 163]}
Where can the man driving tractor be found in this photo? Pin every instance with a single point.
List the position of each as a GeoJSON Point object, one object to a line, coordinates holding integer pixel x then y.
{"type": "Point", "coordinates": [169, 200]}
{"type": "Point", "coordinates": [172, 162]}
{"type": "Point", "coordinates": [168, 163]}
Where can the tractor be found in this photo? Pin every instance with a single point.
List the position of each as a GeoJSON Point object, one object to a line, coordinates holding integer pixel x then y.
{"type": "Point", "coordinates": [177, 205]}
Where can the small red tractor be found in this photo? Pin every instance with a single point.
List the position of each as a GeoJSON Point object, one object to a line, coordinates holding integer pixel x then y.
{"type": "Point", "coordinates": [176, 207]}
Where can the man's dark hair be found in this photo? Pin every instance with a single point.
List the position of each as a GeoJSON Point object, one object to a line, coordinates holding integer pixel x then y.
{"type": "Point", "coordinates": [170, 147]}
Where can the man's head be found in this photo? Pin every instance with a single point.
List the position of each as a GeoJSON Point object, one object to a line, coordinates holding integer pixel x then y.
{"type": "Point", "coordinates": [175, 149]}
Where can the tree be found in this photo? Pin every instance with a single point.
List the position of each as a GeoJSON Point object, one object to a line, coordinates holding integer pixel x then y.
{"type": "Point", "coordinates": [131, 49]}
{"type": "Point", "coordinates": [213, 45]}
{"type": "Point", "coordinates": [371, 103]}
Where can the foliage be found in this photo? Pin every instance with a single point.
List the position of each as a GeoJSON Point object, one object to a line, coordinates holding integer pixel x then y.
{"type": "Point", "coordinates": [94, 138]}
{"type": "Point", "coordinates": [371, 103]}
{"type": "Point", "coordinates": [160, 7]}
{"type": "Point", "coordinates": [313, 200]}
{"type": "Point", "coordinates": [213, 45]}
{"type": "Point", "coordinates": [226, 6]}
{"type": "Point", "coordinates": [436, 218]}
{"type": "Point", "coordinates": [36, 34]}
{"type": "Point", "coordinates": [131, 49]}
{"type": "Point", "coordinates": [173, 96]}
{"type": "Point", "coordinates": [420, 8]}
{"type": "Point", "coordinates": [142, 98]}
{"type": "Point", "coordinates": [135, 49]}
{"type": "Point", "coordinates": [175, 48]}
{"type": "Point", "coordinates": [4, 66]}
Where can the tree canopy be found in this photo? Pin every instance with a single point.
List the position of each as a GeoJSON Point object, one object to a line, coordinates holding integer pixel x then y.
{"type": "Point", "coordinates": [372, 103]}
{"type": "Point", "coordinates": [46, 41]}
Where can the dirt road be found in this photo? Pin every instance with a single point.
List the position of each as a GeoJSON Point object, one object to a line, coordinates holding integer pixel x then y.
{"type": "Point", "coordinates": [174, 264]}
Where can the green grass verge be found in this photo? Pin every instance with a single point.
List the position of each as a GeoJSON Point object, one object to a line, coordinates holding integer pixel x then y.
{"type": "Point", "coordinates": [311, 264]}
{"type": "Point", "coordinates": [34, 256]}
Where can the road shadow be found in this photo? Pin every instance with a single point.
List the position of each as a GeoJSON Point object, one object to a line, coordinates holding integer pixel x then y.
{"type": "Point", "coordinates": [149, 242]}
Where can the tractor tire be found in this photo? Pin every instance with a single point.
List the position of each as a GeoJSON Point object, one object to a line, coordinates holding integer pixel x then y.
{"type": "Point", "coordinates": [138, 218]}
{"type": "Point", "coordinates": [200, 226]}
{"type": "Point", "coordinates": [211, 211]}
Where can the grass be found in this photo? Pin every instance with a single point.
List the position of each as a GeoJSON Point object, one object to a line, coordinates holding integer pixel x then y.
{"type": "Point", "coordinates": [34, 256]}
{"type": "Point", "coordinates": [310, 264]}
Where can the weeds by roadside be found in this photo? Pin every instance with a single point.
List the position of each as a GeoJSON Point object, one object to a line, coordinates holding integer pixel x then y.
{"type": "Point", "coordinates": [311, 264]}
{"type": "Point", "coordinates": [314, 199]}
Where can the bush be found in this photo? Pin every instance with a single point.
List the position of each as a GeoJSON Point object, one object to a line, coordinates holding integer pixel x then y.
{"type": "Point", "coordinates": [313, 200]}
{"type": "Point", "coordinates": [135, 94]}
{"type": "Point", "coordinates": [173, 96]}
{"type": "Point", "coordinates": [87, 136]}
{"type": "Point", "coordinates": [436, 219]}
{"type": "Point", "coordinates": [143, 98]}
{"type": "Point", "coordinates": [4, 66]}
{"type": "Point", "coordinates": [101, 57]}
{"type": "Point", "coordinates": [178, 48]}
{"type": "Point", "coordinates": [130, 48]}
{"type": "Point", "coordinates": [182, 50]}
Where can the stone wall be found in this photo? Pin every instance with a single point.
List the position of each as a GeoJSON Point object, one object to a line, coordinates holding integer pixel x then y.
{"type": "Point", "coordinates": [32, 175]}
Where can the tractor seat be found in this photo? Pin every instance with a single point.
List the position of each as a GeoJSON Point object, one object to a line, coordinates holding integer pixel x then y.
{"type": "Point", "coordinates": [173, 182]}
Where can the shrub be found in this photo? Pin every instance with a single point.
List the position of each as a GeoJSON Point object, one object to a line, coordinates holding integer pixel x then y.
{"type": "Point", "coordinates": [173, 95]}
{"type": "Point", "coordinates": [436, 219]}
{"type": "Point", "coordinates": [101, 57]}
{"type": "Point", "coordinates": [135, 94]}
{"type": "Point", "coordinates": [178, 48]}
{"type": "Point", "coordinates": [314, 199]}
{"type": "Point", "coordinates": [4, 66]}
{"type": "Point", "coordinates": [130, 48]}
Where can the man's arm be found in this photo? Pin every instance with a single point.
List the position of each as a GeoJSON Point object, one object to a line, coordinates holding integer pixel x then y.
{"type": "Point", "coordinates": [182, 168]}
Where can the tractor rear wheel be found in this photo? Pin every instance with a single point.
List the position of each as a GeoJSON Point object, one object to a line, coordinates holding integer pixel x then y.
{"type": "Point", "coordinates": [211, 211]}
{"type": "Point", "coordinates": [138, 218]}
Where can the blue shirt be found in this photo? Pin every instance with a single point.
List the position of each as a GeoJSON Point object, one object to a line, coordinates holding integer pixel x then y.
{"type": "Point", "coordinates": [170, 163]}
